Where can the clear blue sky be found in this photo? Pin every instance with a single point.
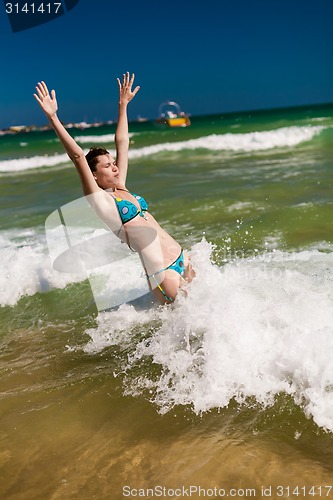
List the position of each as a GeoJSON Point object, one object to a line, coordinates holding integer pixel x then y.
{"type": "Point", "coordinates": [210, 56]}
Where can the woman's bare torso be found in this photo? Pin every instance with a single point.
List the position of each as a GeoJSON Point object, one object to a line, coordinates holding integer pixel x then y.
{"type": "Point", "coordinates": [144, 234]}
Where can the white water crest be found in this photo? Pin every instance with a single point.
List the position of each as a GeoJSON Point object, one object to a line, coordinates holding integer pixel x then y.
{"type": "Point", "coordinates": [84, 139]}
{"type": "Point", "coordinates": [26, 267]}
{"type": "Point", "coordinates": [248, 142]}
{"type": "Point", "coordinates": [93, 139]}
{"type": "Point", "coordinates": [22, 164]}
{"type": "Point", "coordinates": [251, 141]}
{"type": "Point", "coordinates": [253, 328]}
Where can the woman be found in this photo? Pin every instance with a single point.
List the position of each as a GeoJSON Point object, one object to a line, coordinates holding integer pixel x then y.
{"type": "Point", "coordinates": [103, 179]}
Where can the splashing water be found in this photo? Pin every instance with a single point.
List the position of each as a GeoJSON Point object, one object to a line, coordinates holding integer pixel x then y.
{"type": "Point", "coordinates": [251, 329]}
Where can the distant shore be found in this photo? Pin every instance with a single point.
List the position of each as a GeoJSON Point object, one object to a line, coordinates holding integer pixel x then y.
{"type": "Point", "coordinates": [15, 129]}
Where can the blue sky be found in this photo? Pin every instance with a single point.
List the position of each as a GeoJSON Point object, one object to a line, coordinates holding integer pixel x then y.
{"type": "Point", "coordinates": [210, 56]}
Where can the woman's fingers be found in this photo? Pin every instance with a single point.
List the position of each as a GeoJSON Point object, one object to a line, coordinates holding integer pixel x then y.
{"type": "Point", "coordinates": [42, 89]}
{"type": "Point", "coordinates": [127, 80]}
{"type": "Point", "coordinates": [39, 92]}
{"type": "Point", "coordinates": [125, 86]}
{"type": "Point", "coordinates": [45, 89]}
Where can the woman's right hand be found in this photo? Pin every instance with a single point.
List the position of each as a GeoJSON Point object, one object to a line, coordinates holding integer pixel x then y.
{"type": "Point", "coordinates": [47, 102]}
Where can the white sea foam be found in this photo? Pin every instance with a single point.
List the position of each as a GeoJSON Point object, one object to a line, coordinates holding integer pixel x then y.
{"type": "Point", "coordinates": [26, 267]}
{"type": "Point", "coordinates": [22, 164]}
{"type": "Point", "coordinates": [93, 139]}
{"type": "Point", "coordinates": [97, 139]}
{"type": "Point", "coordinates": [252, 141]}
{"type": "Point", "coordinates": [251, 329]}
{"type": "Point", "coordinates": [241, 206]}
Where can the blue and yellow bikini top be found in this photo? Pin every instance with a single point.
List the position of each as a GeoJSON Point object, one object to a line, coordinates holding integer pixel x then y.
{"type": "Point", "coordinates": [127, 210]}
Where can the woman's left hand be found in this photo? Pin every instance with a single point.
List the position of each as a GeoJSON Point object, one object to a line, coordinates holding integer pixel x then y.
{"type": "Point", "coordinates": [126, 93]}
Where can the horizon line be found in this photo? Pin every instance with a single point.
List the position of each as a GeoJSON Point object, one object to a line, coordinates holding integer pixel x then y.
{"type": "Point", "coordinates": [145, 119]}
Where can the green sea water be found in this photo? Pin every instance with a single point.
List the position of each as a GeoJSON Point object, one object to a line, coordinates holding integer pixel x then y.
{"type": "Point", "coordinates": [232, 387]}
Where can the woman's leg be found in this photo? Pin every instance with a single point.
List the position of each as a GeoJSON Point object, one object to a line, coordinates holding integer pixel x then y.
{"type": "Point", "coordinates": [165, 285]}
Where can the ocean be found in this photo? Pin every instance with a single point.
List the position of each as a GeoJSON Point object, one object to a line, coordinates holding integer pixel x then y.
{"type": "Point", "coordinates": [229, 392]}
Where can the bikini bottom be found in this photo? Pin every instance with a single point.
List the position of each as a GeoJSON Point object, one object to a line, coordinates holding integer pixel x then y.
{"type": "Point", "coordinates": [178, 265]}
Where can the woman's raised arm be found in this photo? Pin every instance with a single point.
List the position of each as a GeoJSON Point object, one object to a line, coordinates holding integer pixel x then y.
{"type": "Point", "coordinates": [49, 105]}
{"type": "Point", "coordinates": [126, 94]}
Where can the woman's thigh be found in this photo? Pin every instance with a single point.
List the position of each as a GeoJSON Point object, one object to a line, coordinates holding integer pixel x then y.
{"type": "Point", "coordinates": [167, 287]}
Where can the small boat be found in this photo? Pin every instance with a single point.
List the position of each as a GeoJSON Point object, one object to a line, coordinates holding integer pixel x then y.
{"type": "Point", "coordinates": [171, 115]}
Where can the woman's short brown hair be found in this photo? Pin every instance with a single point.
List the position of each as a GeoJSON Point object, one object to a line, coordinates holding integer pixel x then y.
{"type": "Point", "coordinates": [92, 155]}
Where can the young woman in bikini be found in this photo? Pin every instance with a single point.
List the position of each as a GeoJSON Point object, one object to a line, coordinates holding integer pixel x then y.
{"type": "Point", "coordinates": [103, 180]}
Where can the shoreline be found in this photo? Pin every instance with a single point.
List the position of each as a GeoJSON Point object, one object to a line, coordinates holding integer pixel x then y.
{"type": "Point", "coordinates": [17, 129]}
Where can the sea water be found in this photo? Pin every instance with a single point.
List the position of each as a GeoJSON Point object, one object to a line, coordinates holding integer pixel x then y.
{"type": "Point", "coordinates": [230, 387]}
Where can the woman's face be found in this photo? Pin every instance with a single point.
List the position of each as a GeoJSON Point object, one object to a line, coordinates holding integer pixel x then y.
{"type": "Point", "coordinates": [107, 172]}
